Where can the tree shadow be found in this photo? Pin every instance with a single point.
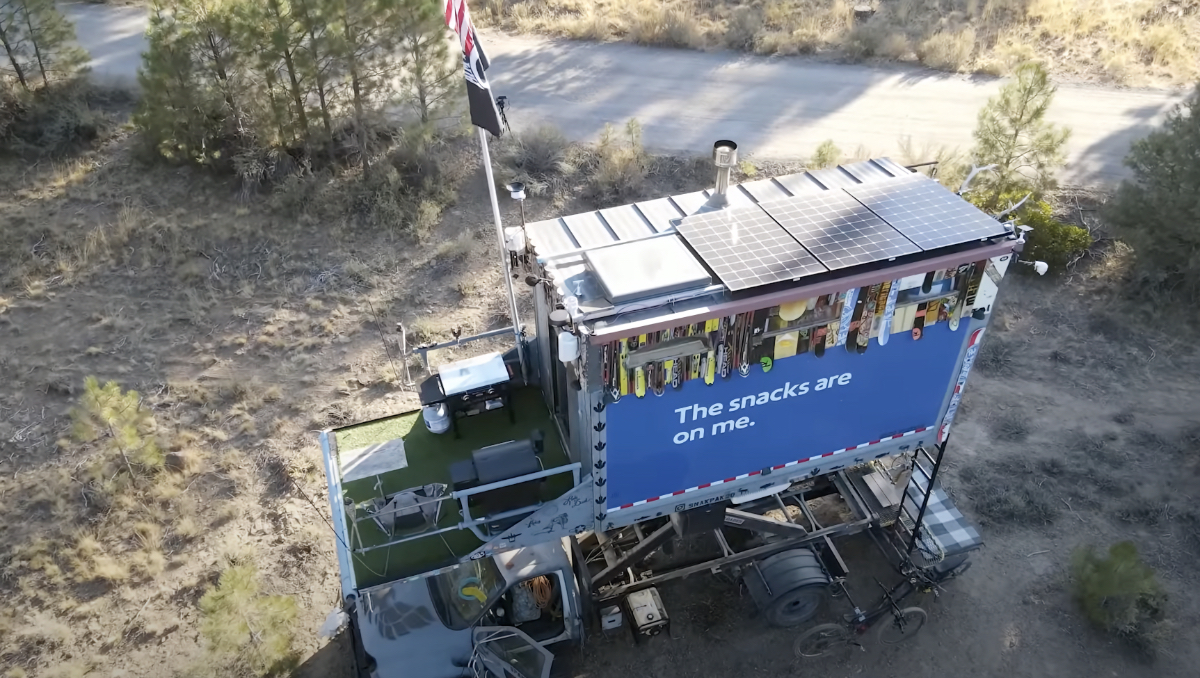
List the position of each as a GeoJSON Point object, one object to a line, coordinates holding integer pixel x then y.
{"type": "Point", "coordinates": [333, 660]}
{"type": "Point", "coordinates": [1101, 161]}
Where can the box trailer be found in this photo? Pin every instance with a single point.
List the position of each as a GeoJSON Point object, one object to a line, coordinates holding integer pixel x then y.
{"type": "Point", "coordinates": [759, 368]}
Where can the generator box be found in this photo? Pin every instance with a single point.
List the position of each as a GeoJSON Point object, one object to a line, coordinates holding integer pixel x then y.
{"type": "Point", "coordinates": [646, 613]}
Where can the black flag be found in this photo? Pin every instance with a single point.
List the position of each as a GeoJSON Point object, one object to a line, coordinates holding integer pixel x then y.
{"type": "Point", "coordinates": [479, 92]}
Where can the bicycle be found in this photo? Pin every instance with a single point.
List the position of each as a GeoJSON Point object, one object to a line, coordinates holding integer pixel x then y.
{"type": "Point", "coordinates": [825, 639]}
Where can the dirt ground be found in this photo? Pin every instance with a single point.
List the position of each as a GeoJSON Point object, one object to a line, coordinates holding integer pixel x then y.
{"type": "Point", "coordinates": [245, 330]}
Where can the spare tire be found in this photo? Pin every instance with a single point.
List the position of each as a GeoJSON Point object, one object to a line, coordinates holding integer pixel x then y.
{"type": "Point", "coordinates": [794, 586]}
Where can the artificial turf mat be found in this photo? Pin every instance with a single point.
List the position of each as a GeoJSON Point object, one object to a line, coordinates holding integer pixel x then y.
{"type": "Point", "coordinates": [429, 458]}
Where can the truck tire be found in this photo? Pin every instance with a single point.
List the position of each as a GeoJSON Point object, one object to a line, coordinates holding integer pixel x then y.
{"type": "Point", "coordinates": [795, 586]}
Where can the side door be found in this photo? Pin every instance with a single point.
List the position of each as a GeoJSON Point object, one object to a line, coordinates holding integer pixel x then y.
{"type": "Point", "coordinates": [506, 652]}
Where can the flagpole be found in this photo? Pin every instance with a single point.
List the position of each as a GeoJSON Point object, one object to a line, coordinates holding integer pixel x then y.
{"type": "Point", "coordinates": [508, 283]}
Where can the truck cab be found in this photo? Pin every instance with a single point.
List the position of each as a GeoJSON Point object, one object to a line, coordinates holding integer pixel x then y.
{"type": "Point", "coordinates": [764, 367]}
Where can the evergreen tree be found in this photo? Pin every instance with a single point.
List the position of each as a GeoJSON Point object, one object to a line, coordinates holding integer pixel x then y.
{"type": "Point", "coordinates": [432, 80]}
{"type": "Point", "coordinates": [38, 42]}
{"type": "Point", "coordinates": [187, 78]}
{"type": "Point", "coordinates": [319, 58]}
{"type": "Point", "coordinates": [273, 30]}
{"type": "Point", "coordinates": [238, 78]}
{"type": "Point", "coordinates": [13, 39]}
{"type": "Point", "coordinates": [1013, 134]}
{"type": "Point", "coordinates": [1158, 213]}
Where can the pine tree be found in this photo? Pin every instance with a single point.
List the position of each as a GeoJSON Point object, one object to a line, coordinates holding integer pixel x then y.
{"type": "Point", "coordinates": [272, 30]}
{"type": "Point", "coordinates": [116, 421]}
{"type": "Point", "coordinates": [432, 81]}
{"type": "Point", "coordinates": [1013, 134]}
{"type": "Point", "coordinates": [318, 56]}
{"type": "Point", "coordinates": [189, 99]}
{"type": "Point", "coordinates": [39, 42]}
{"type": "Point", "coordinates": [12, 39]}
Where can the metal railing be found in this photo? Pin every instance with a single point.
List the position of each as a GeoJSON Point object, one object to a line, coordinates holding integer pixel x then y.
{"type": "Point", "coordinates": [468, 522]}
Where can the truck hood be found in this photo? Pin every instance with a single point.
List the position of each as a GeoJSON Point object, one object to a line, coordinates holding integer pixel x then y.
{"type": "Point", "coordinates": [401, 630]}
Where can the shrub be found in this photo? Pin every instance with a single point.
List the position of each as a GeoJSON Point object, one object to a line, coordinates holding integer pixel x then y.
{"type": "Point", "coordinates": [657, 25]}
{"type": "Point", "coordinates": [1156, 213]}
{"type": "Point", "coordinates": [539, 153]}
{"type": "Point", "coordinates": [1051, 241]}
{"type": "Point", "coordinates": [541, 157]}
{"type": "Point", "coordinates": [743, 27]}
{"type": "Point", "coordinates": [619, 165]}
{"type": "Point", "coordinates": [248, 629]}
{"type": "Point", "coordinates": [1121, 595]}
{"type": "Point", "coordinates": [947, 51]}
{"type": "Point", "coordinates": [115, 420]}
{"type": "Point", "coordinates": [54, 120]}
{"type": "Point", "coordinates": [865, 40]}
{"type": "Point", "coordinates": [826, 155]}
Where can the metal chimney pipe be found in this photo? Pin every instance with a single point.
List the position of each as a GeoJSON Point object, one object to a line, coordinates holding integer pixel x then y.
{"type": "Point", "coordinates": [725, 158]}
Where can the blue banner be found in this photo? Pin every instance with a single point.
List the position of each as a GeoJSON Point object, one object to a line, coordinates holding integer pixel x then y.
{"type": "Point", "coordinates": [804, 407]}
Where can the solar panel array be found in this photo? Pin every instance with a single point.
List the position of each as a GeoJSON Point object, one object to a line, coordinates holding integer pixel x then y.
{"type": "Point", "coordinates": [826, 230]}
{"type": "Point", "coordinates": [746, 248]}
{"type": "Point", "coordinates": [927, 213]}
{"type": "Point", "coordinates": [839, 230]}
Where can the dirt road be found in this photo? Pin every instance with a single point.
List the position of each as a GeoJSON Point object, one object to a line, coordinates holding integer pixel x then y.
{"type": "Point", "coordinates": [774, 107]}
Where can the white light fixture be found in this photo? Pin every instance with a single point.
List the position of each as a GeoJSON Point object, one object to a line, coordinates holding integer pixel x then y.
{"type": "Point", "coordinates": [516, 189]}
{"type": "Point", "coordinates": [1039, 267]}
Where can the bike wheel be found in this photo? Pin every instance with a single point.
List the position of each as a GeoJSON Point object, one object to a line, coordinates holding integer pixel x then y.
{"type": "Point", "coordinates": [903, 626]}
{"type": "Point", "coordinates": [822, 640]}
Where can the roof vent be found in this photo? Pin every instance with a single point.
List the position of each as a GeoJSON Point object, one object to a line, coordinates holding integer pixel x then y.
{"type": "Point", "coordinates": [724, 157]}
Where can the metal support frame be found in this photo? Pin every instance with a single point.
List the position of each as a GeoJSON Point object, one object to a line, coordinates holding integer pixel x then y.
{"type": "Point", "coordinates": [716, 565]}
{"type": "Point", "coordinates": [643, 549]}
{"type": "Point", "coordinates": [756, 523]}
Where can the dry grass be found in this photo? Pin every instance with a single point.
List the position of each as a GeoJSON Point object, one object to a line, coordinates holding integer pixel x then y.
{"type": "Point", "coordinates": [948, 50]}
{"type": "Point", "coordinates": [1116, 40]}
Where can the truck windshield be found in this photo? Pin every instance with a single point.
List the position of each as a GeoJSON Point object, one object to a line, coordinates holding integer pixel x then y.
{"type": "Point", "coordinates": [463, 594]}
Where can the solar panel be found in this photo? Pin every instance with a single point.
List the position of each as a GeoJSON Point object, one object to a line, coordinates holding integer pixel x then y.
{"type": "Point", "coordinates": [746, 248]}
{"type": "Point", "coordinates": [926, 212]}
{"type": "Point", "coordinates": [838, 230]}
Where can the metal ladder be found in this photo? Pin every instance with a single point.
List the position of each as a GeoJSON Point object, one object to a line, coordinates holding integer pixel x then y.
{"type": "Point", "coordinates": [925, 467]}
